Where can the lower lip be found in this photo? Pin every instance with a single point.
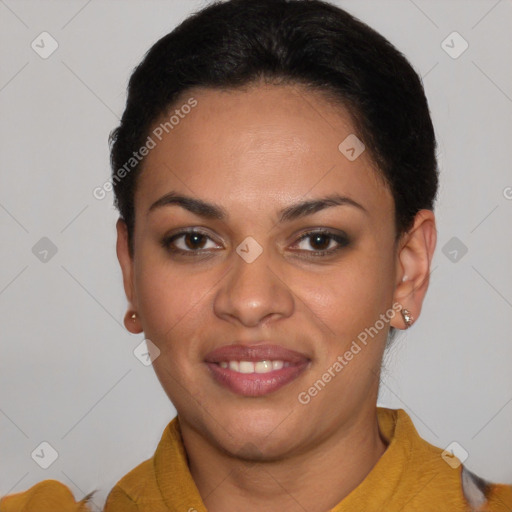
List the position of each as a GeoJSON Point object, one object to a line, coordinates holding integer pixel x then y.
{"type": "Point", "coordinates": [255, 384]}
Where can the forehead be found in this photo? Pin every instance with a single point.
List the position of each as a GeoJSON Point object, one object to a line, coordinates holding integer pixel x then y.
{"type": "Point", "coordinates": [256, 147]}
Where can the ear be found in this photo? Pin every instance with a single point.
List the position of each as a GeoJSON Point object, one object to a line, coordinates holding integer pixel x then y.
{"type": "Point", "coordinates": [414, 258]}
{"type": "Point", "coordinates": [127, 268]}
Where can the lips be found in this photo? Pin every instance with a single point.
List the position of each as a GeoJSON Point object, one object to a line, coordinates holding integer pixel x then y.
{"type": "Point", "coordinates": [254, 353]}
{"type": "Point", "coordinates": [255, 370]}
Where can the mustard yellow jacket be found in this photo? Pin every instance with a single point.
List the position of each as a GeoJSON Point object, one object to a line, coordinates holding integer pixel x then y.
{"type": "Point", "coordinates": [411, 476]}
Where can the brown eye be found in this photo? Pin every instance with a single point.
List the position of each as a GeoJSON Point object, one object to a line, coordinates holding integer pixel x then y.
{"type": "Point", "coordinates": [188, 242]}
{"type": "Point", "coordinates": [194, 240]}
{"type": "Point", "coordinates": [322, 242]}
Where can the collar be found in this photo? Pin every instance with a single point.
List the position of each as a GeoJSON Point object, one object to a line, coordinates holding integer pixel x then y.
{"type": "Point", "coordinates": [410, 470]}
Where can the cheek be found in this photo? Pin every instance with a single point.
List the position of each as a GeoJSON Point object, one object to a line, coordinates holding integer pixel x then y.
{"type": "Point", "coordinates": [170, 299]}
{"type": "Point", "coordinates": [353, 295]}
{"type": "Point", "coordinates": [350, 300]}
{"type": "Point", "coordinates": [173, 307]}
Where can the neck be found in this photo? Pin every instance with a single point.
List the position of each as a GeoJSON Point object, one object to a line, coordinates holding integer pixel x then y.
{"type": "Point", "coordinates": [315, 480]}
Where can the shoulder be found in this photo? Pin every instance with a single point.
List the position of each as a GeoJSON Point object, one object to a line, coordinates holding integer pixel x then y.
{"type": "Point", "coordinates": [139, 488]}
{"type": "Point", "coordinates": [45, 496]}
{"type": "Point", "coordinates": [438, 473]}
{"type": "Point", "coordinates": [137, 491]}
{"type": "Point", "coordinates": [139, 482]}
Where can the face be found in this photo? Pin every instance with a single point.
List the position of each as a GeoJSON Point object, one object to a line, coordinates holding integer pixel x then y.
{"type": "Point", "coordinates": [254, 296]}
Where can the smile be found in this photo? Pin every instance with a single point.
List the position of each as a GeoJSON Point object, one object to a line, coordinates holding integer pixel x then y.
{"type": "Point", "coordinates": [256, 370]}
{"type": "Point", "coordinates": [253, 367]}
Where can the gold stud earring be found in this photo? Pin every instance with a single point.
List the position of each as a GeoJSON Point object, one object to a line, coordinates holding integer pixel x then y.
{"type": "Point", "coordinates": [408, 318]}
{"type": "Point", "coordinates": [133, 316]}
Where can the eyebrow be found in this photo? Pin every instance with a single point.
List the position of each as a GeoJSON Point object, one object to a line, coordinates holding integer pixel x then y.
{"type": "Point", "coordinates": [287, 214]}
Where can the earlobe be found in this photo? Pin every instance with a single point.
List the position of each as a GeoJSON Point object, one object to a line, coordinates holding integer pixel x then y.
{"type": "Point", "coordinates": [414, 258]}
{"type": "Point", "coordinates": [132, 323]}
{"type": "Point", "coordinates": [407, 316]}
{"type": "Point", "coordinates": [131, 319]}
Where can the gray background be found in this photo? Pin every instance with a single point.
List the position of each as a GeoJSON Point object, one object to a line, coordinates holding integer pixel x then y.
{"type": "Point", "coordinates": [68, 375]}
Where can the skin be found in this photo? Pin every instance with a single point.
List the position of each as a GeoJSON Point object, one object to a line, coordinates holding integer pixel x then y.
{"type": "Point", "coordinates": [254, 152]}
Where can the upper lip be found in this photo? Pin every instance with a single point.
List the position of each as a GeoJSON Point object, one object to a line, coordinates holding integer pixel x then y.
{"type": "Point", "coordinates": [254, 353]}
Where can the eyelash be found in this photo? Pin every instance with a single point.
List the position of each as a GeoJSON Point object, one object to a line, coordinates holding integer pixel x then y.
{"type": "Point", "coordinates": [342, 241]}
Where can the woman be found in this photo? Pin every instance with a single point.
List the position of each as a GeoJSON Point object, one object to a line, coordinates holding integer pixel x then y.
{"type": "Point", "coordinates": [275, 174]}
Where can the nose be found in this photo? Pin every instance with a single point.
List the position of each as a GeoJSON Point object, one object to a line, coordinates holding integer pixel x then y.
{"type": "Point", "coordinates": [254, 293]}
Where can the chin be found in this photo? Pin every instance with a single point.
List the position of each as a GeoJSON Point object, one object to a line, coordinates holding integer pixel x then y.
{"type": "Point", "coordinates": [258, 435]}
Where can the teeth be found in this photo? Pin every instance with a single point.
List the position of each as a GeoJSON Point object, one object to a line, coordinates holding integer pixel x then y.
{"type": "Point", "coordinates": [253, 367]}
{"type": "Point", "coordinates": [263, 366]}
{"type": "Point", "coordinates": [246, 367]}
{"type": "Point", "coordinates": [277, 365]}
